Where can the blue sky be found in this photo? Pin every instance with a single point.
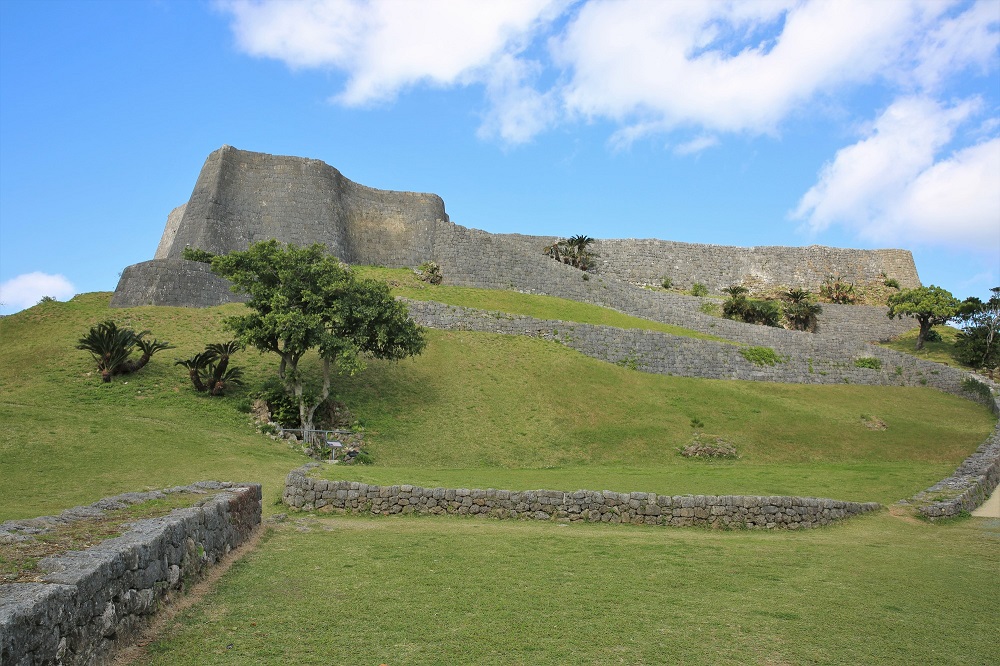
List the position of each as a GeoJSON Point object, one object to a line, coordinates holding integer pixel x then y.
{"type": "Point", "coordinates": [869, 124]}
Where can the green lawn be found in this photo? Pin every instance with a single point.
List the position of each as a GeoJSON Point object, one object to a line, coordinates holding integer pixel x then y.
{"type": "Point", "coordinates": [406, 590]}
{"type": "Point", "coordinates": [531, 412]}
{"type": "Point", "coordinates": [939, 352]}
{"type": "Point", "coordinates": [480, 410]}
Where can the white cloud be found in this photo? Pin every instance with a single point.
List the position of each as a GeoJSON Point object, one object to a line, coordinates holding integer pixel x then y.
{"type": "Point", "coordinates": [724, 66]}
{"type": "Point", "coordinates": [386, 45]}
{"type": "Point", "coordinates": [969, 39]}
{"type": "Point", "coordinates": [894, 185]}
{"type": "Point", "coordinates": [649, 66]}
{"type": "Point", "coordinates": [518, 112]}
{"type": "Point", "coordinates": [696, 145]}
{"type": "Point", "coordinates": [27, 289]}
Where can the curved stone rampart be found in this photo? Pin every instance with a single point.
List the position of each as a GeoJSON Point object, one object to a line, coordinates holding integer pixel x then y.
{"type": "Point", "coordinates": [172, 282]}
{"type": "Point", "coordinates": [241, 197]}
{"type": "Point", "coordinates": [972, 483]}
{"type": "Point", "coordinates": [92, 602]}
{"type": "Point", "coordinates": [640, 508]}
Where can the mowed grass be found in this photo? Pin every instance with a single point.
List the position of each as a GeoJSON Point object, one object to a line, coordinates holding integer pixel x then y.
{"type": "Point", "coordinates": [67, 439]}
{"type": "Point", "coordinates": [939, 352]}
{"type": "Point", "coordinates": [494, 411]}
{"type": "Point", "coordinates": [474, 410]}
{"type": "Point", "coordinates": [404, 282]}
{"type": "Point", "coordinates": [354, 590]}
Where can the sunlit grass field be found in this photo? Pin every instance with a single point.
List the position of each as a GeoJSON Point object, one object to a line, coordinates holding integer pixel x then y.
{"type": "Point", "coordinates": [480, 410]}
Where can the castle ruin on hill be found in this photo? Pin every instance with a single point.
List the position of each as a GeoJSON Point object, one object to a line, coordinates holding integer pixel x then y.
{"type": "Point", "coordinates": [242, 197]}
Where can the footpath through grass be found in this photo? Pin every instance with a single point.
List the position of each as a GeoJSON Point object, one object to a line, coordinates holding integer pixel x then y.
{"type": "Point", "coordinates": [405, 590]}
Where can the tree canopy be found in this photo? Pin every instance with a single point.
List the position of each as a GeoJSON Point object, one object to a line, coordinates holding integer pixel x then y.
{"type": "Point", "coordinates": [930, 306]}
{"type": "Point", "coordinates": [978, 344]}
{"type": "Point", "coordinates": [304, 299]}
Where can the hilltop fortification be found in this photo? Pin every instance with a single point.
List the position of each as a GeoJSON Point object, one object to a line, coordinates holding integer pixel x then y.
{"type": "Point", "coordinates": [242, 197]}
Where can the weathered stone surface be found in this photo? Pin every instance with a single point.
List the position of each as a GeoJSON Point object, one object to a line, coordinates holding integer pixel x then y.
{"type": "Point", "coordinates": [594, 506]}
{"type": "Point", "coordinates": [90, 602]}
{"type": "Point", "coordinates": [241, 197]}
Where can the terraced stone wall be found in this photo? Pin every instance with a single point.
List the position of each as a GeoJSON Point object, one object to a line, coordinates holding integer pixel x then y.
{"type": "Point", "coordinates": [88, 603]}
{"type": "Point", "coordinates": [726, 511]}
{"type": "Point", "coordinates": [805, 358]}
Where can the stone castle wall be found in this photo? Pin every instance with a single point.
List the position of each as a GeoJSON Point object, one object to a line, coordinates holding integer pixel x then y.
{"type": "Point", "coordinates": [91, 602]}
{"type": "Point", "coordinates": [640, 508]}
{"type": "Point", "coordinates": [649, 261]}
{"type": "Point", "coordinates": [242, 197]}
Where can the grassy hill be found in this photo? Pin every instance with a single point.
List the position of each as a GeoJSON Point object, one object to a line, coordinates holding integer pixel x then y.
{"type": "Point", "coordinates": [474, 410]}
{"type": "Point", "coordinates": [481, 410]}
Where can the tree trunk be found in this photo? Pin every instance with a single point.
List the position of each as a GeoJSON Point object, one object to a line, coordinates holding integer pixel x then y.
{"type": "Point", "coordinates": [195, 376]}
{"type": "Point", "coordinates": [311, 412]}
{"type": "Point", "coordinates": [925, 327]}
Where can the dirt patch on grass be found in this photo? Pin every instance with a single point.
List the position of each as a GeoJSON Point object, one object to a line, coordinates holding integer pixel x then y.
{"type": "Point", "coordinates": [905, 513]}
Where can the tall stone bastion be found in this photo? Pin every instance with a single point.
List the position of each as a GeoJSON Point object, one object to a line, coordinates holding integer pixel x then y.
{"type": "Point", "coordinates": [242, 197]}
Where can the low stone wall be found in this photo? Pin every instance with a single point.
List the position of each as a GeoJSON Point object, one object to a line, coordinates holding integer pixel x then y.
{"type": "Point", "coordinates": [90, 602]}
{"type": "Point", "coordinates": [971, 484]}
{"type": "Point", "coordinates": [724, 511]}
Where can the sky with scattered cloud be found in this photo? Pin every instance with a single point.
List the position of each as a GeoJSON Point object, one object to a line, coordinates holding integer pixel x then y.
{"type": "Point", "coordinates": [847, 123]}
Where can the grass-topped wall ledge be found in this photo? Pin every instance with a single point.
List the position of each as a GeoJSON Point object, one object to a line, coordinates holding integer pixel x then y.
{"type": "Point", "coordinates": [81, 606]}
{"type": "Point", "coordinates": [304, 492]}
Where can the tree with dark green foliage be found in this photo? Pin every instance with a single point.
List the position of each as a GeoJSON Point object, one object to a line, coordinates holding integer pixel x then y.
{"type": "Point", "coordinates": [209, 371]}
{"type": "Point", "coordinates": [978, 343]}
{"type": "Point", "coordinates": [800, 310]}
{"type": "Point", "coordinates": [573, 251]}
{"type": "Point", "coordinates": [112, 348]}
{"type": "Point", "coordinates": [930, 306]}
{"type": "Point", "coordinates": [304, 299]}
{"type": "Point", "coordinates": [195, 254]}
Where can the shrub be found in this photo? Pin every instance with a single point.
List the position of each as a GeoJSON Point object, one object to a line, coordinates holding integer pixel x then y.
{"type": "Point", "coordinates": [430, 271]}
{"type": "Point", "coordinates": [761, 355]}
{"type": "Point", "coordinates": [364, 458]}
{"type": "Point", "coordinates": [837, 289]}
{"type": "Point", "coordinates": [710, 308]}
{"type": "Point", "coordinates": [891, 282]}
{"type": "Point", "coordinates": [709, 446]}
{"type": "Point", "coordinates": [766, 313]}
{"type": "Point", "coordinates": [667, 283]}
{"type": "Point", "coordinates": [698, 289]}
{"type": "Point", "coordinates": [195, 254]}
{"type": "Point", "coordinates": [932, 336]}
{"type": "Point", "coordinates": [111, 347]}
{"type": "Point", "coordinates": [973, 385]}
{"type": "Point", "coordinates": [868, 362]}
{"type": "Point", "coordinates": [283, 407]}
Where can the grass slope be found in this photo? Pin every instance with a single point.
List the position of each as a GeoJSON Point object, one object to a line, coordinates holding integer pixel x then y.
{"type": "Point", "coordinates": [474, 410]}
{"type": "Point", "coordinates": [491, 411]}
